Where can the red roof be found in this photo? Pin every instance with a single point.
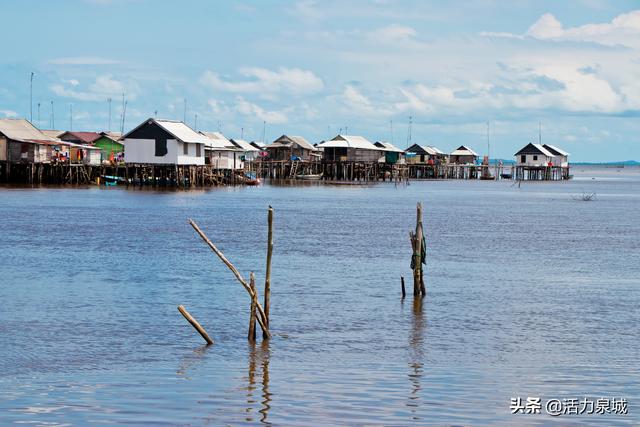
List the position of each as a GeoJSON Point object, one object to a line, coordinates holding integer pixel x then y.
{"type": "Point", "coordinates": [85, 137]}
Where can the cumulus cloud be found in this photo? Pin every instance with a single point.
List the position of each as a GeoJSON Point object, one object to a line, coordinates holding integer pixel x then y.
{"type": "Point", "coordinates": [103, 87]}
{"type": "Point", "coordinates": [250, 109]}
{"type": "Point", "coordinates": [623, 30]}
{"type": "Point", "coordinates": [289, 81]}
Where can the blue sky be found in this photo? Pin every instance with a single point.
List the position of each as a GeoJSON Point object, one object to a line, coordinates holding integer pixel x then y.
{"type": "Point", "coordinates": [314, 68]}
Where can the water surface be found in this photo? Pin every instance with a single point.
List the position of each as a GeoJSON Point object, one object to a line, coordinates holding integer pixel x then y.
{"type": "Point", "coordinates": [530, 293]}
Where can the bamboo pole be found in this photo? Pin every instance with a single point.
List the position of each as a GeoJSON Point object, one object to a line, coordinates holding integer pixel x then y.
{"type": "Point", "coordinates": [261, 318]}
{"type": "Point", "coordinates": [252, 316]}
{"type": "Point", "coordinates": [195, 324]}
{"type": "Point", "coordinates": [267, 279]}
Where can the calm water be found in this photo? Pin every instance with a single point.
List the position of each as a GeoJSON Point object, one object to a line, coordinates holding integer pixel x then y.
{"type": "Point", "coordinates": [530, 293]}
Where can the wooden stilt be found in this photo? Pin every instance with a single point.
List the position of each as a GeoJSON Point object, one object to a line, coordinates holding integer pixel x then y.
{"type": "Point", "coordinates": [267, 279]}
{"type": "Point", "coordinates": [195, 324]}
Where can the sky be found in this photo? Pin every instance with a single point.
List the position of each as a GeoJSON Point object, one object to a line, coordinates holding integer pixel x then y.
{"type": "Point", "coordinates": [428, 72]}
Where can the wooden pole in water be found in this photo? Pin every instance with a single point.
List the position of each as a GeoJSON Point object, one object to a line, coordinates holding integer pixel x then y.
{"type": "Point", "coordinates": [416, 244]}
{"type": "Point", "coordinates": [252, 316]}
{"type": "Point", "coordinates": [404, 293]}
{"type": "Point", "coordinates": [267, 279]}
{"type": "Point", "coordinates": [261, 318]}
{"type": "Point", "coordinates": [195, 324]}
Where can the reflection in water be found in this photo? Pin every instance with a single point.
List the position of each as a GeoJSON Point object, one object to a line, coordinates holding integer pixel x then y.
{"type": "Point", "coordinates": [416, 355]}
{"type": "Point", "coordinates": [259, 367]}
{"type": "Point", "coordinates": [191, 360]}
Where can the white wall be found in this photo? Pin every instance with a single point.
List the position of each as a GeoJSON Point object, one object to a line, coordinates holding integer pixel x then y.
{"type": "Point", "coordinates": [143, 151]}
{"type": "Point", "coordinates": [529, 161]}
{"type": "Point", "coordinates": [560, 161]}
{"type": "Point", "coordinates": [224, 159]}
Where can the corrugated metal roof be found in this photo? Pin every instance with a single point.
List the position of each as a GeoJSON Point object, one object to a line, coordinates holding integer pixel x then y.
{"type": "Point", "coordinates": [217, 141]}
{"type": "Point", "coordinates": [464, 151]}
{"type": "Point", "coordinates": [243, 145]}
{"type": "Point", "coordinates": [555, 150]}
{"type": "Point", "coordinates": [181, 131]}
{"type": "Point", "coordinates": [22, 130]}
{"type": "Point", "coordinates": [84, 137]}
{"type": "Point", "coordinates": [54, 134]}
{"type": "Point", "coordinates": [428, 149]}
{"type": "Point", "coordinates": [387, 146]}
{"type": "Point", "coordinates": [287, 140]}
{"type": "Point", "coordinates": [534, 149]}
{"type": "Point", "coordinates": [349, 141]}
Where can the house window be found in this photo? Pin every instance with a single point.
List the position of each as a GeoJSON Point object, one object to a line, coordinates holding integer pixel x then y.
{"type": "Point", "coordinates": [198, 152]}
{"type": "Point", "coordinates": [185, 146]}
{"type": "Point", "coordinates": [523, 159]}
{"type": "Point", "coordinates": [535, 158]}
{"type": "Point", "coordinates": [161, 147]}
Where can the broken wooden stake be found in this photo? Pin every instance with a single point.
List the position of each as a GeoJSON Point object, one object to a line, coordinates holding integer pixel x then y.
{"type": "Point", "coordinates": [267, 278]}
{"type": "Point", "coordinates": [404, 293]}
{"type": "Point", "coordinates": [261, 318]}
{"type": "Point", "coordinates": [195, 324]}
{"type": "Point", "coordinates": [418, 258]}
{"type": "Point", "coordinates": [252, 315]}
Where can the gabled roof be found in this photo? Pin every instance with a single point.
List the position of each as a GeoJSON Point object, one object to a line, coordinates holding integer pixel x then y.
{"type": "Point", "coordinates": [288, 140]}
{"type": "Point", "coordinates": [387, 146]}
{"type": "Point", "coordinates": [534, 149]}
{"type": "Point", "coordinates": [115, 136]}
{"type": "Point", "coordinates": [243, 145]}
{"type": "Point", "coordinates": [259, 145]}
{"type": "Point", "coordinates": [52, 133]}
{"type": "Point", "coordinates": [22, 130]}
{"type": "Point", "coordinates": [425, 149]}
{"type": "Point", "coordinates": [464, 151]}
{"type": "Point", "coordinates": [177, 129]}
{"type": "Point", "coordinates": [349, 141]}
{"type": "Point", "coordinates": [555, 150]}
{"type": "Point", "coordinates": [83, 137]}
{"type": "Point", "coordinates": [217, 141]}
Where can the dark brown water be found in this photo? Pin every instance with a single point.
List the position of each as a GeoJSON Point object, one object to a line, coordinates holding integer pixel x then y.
{"type": "Point", "coordinates": [530, 293]}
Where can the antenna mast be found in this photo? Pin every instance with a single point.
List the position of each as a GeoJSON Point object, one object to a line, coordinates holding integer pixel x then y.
{"type": "Point", "coordinates": [409, 133]}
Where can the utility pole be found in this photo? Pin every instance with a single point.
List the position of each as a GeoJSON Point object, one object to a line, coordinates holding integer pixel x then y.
{"type": "Point", "coordinates": [241, 133]}
{"type": "Point", "coordinates": [264, 131]}
{"type": "Point", "coordinates": [409, 132]}
{"type": "Point", "coordinates": [124, 115]}
{"type": "Point", "coordinates": [540, 133]}
{"type": "Point", "coordinates": [70, 117]}
{"type": "Point", "coordinates": [53, 119]}
{"type": "Point", "coordinates": [195, 122]}
{"type": "Point", "coordinates": [31, 98]}
{"type": "Point", "coordinates": [391, 129]}
{"type": "Point", "coordinates": [184, 117]}
{"type": "Point", "coordinates": [109, 102]}
{"type": "Point", "coordinates": [38, 114]}
{"type": "Point", "coordinates": [488, 145]}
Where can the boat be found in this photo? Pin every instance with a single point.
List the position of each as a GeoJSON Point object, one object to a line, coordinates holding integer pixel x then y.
{"type": "Point", "coordinates": [109, 180]}
{"type": "Point", "coordinates": [505, 175]}
{"type": "Point", "coordinates": [310, 177]}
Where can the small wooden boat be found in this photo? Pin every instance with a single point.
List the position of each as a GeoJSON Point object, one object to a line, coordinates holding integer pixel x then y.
{"type": "Point", "coordinates": [254, 181]}
{"type": "Point", "coordinates": [505, 175]}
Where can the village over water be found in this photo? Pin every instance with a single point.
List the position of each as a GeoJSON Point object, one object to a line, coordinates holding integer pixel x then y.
{"type": "Point", "coordinates": [161, 152]}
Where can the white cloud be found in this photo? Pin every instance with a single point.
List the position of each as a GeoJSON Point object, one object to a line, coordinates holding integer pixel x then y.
{"type": "Point", "coordinates": [623, 30]}
{"type": "Point", "coordinates": [267, 83]}
{"type": "Point", "coordinates": [104, 86]}
{"type": "Point", "coordinates": [84, 60]}
{"type": "Point", "coordinates": [247, 108]}
{"type": "Point", "coordinates": [393, 33]}
{"type": "Point", "coordinates": [307, 10]}
{"type": "Point", "coordinates": [9, 113]}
